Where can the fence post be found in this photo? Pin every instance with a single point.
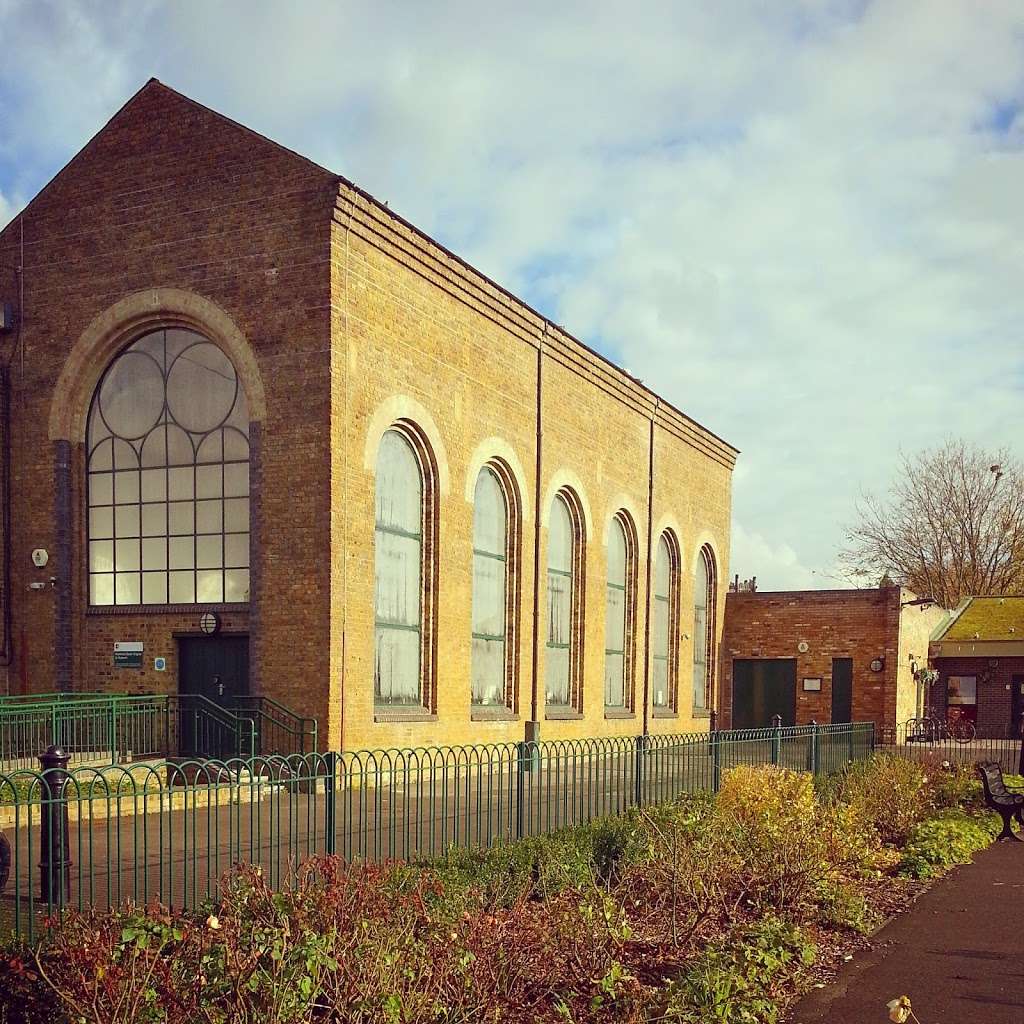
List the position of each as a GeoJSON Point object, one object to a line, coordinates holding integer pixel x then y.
{"type": "Point", "coordinates": [1020, 760]}
{"type": "Point", "coordinates": [331, 804]}
{"type": "Point", "coordinates": [54, 834]}
{"type": "Point", "coordinates": [638, 771]}
{"type": "Point", "coordinates": [716, 761]}
{"type": "Point", "coordinates": [776, 739]}
{"type": "Point", "coordinates": [813, 752]}
{"type": "Point", "coordinates": [521, 769]}
{"type": "Point", "coordinates": [113, 730]}
{"type": "Point", "coordinates": [872, 737]}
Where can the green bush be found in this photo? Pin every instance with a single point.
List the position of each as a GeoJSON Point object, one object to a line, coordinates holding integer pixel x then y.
{"type": "Point", "coordinates": [951, 838]}
{"type": "Point", "coordinates": [888, 794]}
{"type": "Point", "coordinates": [740, 981]}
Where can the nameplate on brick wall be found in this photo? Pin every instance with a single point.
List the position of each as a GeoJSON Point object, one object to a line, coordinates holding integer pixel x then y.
{"type": "Point", "coordinates": [128, 654]}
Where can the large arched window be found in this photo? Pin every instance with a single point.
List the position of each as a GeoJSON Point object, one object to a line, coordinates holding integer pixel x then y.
{"type": "Point", "coordinates": [665, 631]}
{"type": "Point", "coordinates": [168, 476]}
{"type": "Point", "coordinates": [399, 578]}
{"type": "Point", "coordinates": [495, 543]}
{"type": "Point", "coordinates": [563, 654]}
{"type": "Point", "coordinates": [703, 629]}
{"type": "Point", "coordinates": [620, 614]}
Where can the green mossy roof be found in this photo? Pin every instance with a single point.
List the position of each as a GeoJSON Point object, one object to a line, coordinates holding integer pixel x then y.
{"type": "Point", "coordinates": [989, 618]}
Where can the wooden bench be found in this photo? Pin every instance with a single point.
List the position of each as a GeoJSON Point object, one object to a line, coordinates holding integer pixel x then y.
{"type": "Point", "coordinates": [1007, 804]}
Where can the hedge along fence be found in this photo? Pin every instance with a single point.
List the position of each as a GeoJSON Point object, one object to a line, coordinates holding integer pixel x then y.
{"type": "Point", "coordinates": [95, 837]}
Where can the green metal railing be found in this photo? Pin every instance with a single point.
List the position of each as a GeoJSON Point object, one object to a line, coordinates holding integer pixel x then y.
{"type": "Point", "coordinates": [117, 728]}
{"type": "Point", "coordinates": [279, 730]}
{"type": "Point", "coordinates": [169, 831]}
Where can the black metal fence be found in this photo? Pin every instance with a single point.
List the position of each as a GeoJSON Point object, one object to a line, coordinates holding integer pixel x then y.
{"type": "Point", "coordinates": [937, 745]}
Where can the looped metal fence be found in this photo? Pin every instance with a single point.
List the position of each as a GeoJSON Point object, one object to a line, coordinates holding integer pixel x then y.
{"type": "Point", "coordinates": [170, 830]}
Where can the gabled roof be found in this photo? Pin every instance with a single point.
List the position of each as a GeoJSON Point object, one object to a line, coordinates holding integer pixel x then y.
{"type": "Point", "coordinates": [986, 619]}
{"type": "Point", "coordinates": [157, 91]}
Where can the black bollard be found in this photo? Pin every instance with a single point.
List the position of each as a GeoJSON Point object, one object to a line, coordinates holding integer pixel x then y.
{"type": "Point", "coordinates": [54, 833]}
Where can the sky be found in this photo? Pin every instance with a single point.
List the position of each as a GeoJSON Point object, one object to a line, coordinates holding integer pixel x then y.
{"type": "Point", "coordinates": [801, 222]}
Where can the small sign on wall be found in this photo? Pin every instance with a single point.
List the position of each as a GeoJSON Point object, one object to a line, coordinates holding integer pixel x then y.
{"type": "Point", "coordinates": [160, 664]}
{"type": "Point", "coordinates": [812, 685]}
{"type": "Point", "coordinates": [128, 654]}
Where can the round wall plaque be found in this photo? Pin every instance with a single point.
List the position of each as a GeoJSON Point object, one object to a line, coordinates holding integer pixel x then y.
{"type": "Point", "coordinates": [877, 664]}
{"type": "Point", "coordinates": [209, 623]}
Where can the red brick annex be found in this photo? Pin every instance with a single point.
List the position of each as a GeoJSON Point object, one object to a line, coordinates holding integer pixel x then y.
{"type": "Point", "coordinates": [827, 656]}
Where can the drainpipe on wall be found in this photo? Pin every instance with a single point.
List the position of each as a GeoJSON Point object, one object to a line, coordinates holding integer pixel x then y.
{"type": "Point", "coordinates": [533, 725]}
{"type": "Point", "coordinates": [7, 648]}
{"type": "Point", "coordinates": [647, 583]}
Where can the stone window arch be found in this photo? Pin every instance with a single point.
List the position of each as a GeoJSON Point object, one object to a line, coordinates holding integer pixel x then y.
{"type": "Point", "coordinates": [665, 625]}
{"type": "Point", "coordinates": [496, 588]}
{"type": "Point", "coordinates": [167, 475]}
{"type": "Point", "coordinates": [405, 588]}
{"type": "Point", "coordinates": [563, 662]}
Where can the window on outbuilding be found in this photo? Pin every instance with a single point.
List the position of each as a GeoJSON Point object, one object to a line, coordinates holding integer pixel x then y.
{"type": "Point", "coordinates": [565, 613]}
{"type": "Point", "coordinates": [665, 625]}
{"type": "Point", "coordinates": [703, 629]}
{"type": "Point", "coordinates": [491, 582]}
{"type": "Point", "coordinates": [398, 602]}
{"type": "Point", "coordinates": [168, 476]}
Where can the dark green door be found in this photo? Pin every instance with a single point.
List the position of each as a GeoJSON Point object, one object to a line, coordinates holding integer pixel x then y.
{"type": "Point", "coordinates": [842, 690]}
{"type": "Point", "coordinates": [1017, 708]}
{"type": "Point", "coordinates": [214, 669]}
{"type": "Point", "coordinates": [762, 688]}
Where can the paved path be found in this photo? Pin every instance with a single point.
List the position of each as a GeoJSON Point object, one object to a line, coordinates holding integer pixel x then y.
{"type": "Point", "coordinates": [958, 953]}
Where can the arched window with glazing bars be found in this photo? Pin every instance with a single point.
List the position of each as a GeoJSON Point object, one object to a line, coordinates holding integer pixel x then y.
{"type": "Point", "coordinates": [665, 625]}
{"type": "Point", "coordinates": [495, 589]}
{"type": "Point", "coordinates": [565, 614]}
{"type": "Point", "coordinates": [703, 629]}
{"type": "Point", "coordinates": [401, 524]}
{"type": "Point", "coordinates": [168, 476]}
{"type": "Point", "coordinates": [620, 614]}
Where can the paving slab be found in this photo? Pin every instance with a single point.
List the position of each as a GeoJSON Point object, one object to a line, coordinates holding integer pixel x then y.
{"type": "Point", "coordinates": [958, 953]}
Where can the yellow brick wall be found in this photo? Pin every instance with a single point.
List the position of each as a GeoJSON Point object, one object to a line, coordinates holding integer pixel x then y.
{"type": "Point", "coordinates": [416, 334]}
{"type": "Point", "coordinates": [916, 626]}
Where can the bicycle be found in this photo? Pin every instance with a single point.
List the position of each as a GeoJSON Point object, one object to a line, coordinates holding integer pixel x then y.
{"type": "Point", "coordinates": [936, 730]}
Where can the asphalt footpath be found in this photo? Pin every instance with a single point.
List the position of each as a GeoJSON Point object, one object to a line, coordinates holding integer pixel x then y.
{"type": "Point", "coordinates": [958, 953]}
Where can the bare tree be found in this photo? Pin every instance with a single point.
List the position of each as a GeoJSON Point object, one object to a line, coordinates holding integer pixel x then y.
{"type": "Point", "coordinates": [951, 526]}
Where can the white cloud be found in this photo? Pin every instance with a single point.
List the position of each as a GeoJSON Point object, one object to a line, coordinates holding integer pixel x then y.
{"type": "Point", "coordinates": [776, 566]}
{"type": "Point", "coordinates": [800, 221]}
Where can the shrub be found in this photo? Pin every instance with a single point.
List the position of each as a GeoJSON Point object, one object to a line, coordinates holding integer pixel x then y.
{"type": "Point", "coordinates": [941, 842]}
{"type": "Point", "coordinates": [955, 786]}
{"type": "Point", "coordinates": [887, 793]}
{"type": "Point", "coordinates": [769, 827]}
{"type": "Point", "coordinates": [740, 981]}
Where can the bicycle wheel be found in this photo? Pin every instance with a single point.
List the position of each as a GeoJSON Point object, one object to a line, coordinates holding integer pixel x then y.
{"type": "Point", "coordinates": [963, 730]}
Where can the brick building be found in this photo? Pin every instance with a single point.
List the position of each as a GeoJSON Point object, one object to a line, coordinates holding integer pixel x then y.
{"type": "Point", "coordinates": [824, 655]}
{"type": "Point", "coordinates": [237, 384]}
{"type": "Point", "coordinates": [979, 656]}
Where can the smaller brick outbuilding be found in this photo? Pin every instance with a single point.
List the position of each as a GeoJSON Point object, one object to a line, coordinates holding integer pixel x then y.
{"type": "Point", "coordinates": [824, 656]}
{"type": "Point", "coordinates": [979, 656]}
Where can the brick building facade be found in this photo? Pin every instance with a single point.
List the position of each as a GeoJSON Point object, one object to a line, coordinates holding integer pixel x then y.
{"type": "Point", "coordinates": [979, 657]}
{"type": "Point", "coordinates": [339, 331]}
{"type": "Point", "coordinates": [804, 646]}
